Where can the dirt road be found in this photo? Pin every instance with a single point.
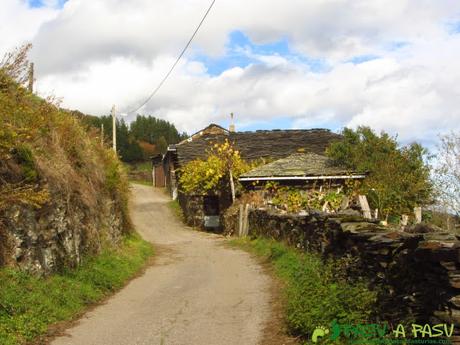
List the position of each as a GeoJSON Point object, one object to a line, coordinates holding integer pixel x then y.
{"type": "Point", "coordinates": [198, 292]}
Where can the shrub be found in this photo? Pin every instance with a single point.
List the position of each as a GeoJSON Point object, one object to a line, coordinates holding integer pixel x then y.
{"type": "Point", "coordinates": [293, 200]}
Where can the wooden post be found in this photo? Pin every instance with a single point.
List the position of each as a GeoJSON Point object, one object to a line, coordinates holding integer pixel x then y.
{"type": "Point", "coordinates": [30, 85]}
{"type": "Point", "coordinates": [102, 134]}
{"type": "Point", "coordinates": [240, 223]}
{"type": "Point", "coordinates": [246, 220]}
{"type": "Point", "coordinates": [404, 219]}
{"type": "Point", "coordinates": [418, 215]}
{"type": "Point", "coordinates": [345, 203]}
{"type": "Point", "coordinates": [114, 129]}
{"type": "Point", "coordinates": [364, 206]}
{"type": "Point", "coordinates": [376, 213]}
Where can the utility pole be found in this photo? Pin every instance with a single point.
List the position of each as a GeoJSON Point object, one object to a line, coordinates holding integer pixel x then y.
{"type": "Point", "coordinates": [30, 87]}
{"type": "Point", "coordinates": [114, 129]}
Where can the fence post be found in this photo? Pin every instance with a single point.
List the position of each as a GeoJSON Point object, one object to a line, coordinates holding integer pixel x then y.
{"type": "Point", "coordinates": [246, 220]}
{"type": "Point", "coordinates": [364, 206]}
{"type": "Point", "coordinates": [240, 223]}
{"type": "Point", "coordinates": [418, 215]}
{"type": "Point", "coordinates": [404, 219]}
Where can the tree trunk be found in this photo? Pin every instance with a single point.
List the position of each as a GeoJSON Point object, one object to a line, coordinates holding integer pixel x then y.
{"type": "Point", "coordinates": [232, 186]}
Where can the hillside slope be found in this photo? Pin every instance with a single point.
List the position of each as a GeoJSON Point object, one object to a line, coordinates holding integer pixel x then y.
{"type": "Point", "coordinates": [62, 194]}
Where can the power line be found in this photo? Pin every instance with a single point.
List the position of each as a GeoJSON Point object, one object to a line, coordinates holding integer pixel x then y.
{"type": "Point", "coordinates": [177, 60]}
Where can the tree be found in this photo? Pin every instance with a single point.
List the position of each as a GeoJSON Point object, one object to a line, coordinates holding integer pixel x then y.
{"type": "Point", "coordinates": [398, 177]}
{"type": "Point", "coordinates": [151, 129]}
{"type": "Point", "coordinates": [447, 173]}
{"type": "Point", "coordinates": [222, 166]}
{"type": "Point", "coordinates": [16, 63]}
{"type": "Point", "coordinates": [161, 145]}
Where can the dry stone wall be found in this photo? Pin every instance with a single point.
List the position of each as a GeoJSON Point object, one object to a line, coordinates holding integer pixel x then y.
{"type": "Point", "coordinates": [417, 274]}
{"type": "Point", "coordinates": [56, 236]}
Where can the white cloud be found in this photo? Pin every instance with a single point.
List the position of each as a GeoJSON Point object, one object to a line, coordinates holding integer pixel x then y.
{"type": "Point", "coordinates": [19, 23]}
{"type": "Point", "coordinates": [95, 53]}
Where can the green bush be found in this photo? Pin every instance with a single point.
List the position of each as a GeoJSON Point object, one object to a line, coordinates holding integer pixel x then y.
{"type": "Point", "coordinates": [316, 291]}
{"type": "Point", "coordinates": [29, 304]}
{"type": "Point", "coordinates": [25, 158]}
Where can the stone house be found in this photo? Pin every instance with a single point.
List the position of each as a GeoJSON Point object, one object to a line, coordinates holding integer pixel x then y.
{"type": "Point", "coordinates": [206, 210]}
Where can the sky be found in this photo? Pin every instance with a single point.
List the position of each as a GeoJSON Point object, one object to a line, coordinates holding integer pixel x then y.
{"type": "Point", "coordinates": [391, 65]}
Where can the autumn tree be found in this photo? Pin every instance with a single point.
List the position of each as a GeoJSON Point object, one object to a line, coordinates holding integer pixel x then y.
{"type": "Point", "coordinates": [447, 173]}
{"type": "Point", "coordinates": [398, 176]}
{"type": "Point", "coordinates": [15, 64]}
{"type": "Point", "coordinates": [223, 165]}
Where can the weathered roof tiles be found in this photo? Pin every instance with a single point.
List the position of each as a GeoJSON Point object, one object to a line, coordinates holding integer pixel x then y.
{"type": "Point", "coordinates": [260, 144]}
{"type": "Point", "coordinates": [299, 165]}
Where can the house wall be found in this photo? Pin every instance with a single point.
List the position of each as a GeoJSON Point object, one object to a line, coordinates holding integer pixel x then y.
{"type": "Point", "coordinates": [170, 175]}
{"type": "Point", "coordinates": [418, 274]}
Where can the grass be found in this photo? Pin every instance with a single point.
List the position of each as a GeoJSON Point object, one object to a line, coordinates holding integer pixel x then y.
{"type": "Point", "coordinates": [29, 304]}
{"type": "Point", "coordinates": [140, 173]}
{"type": "Point", "coordinates": [143, 166]}
{"type": "Point", "coordinates": [142, 182]}
{"type": "Point", "coordinates": [316, 291]}
{"type": "Point", "coordinates": [176, 209]}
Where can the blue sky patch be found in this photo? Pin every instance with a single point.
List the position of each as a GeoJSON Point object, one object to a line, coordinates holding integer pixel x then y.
{"type": "Point", "coordinates": [283, 123]}
{"type": "Point", "coordinates": [396, 45]}
{"type": "Point", "coordinates": [41, 3]}
{"type": "Point", "coordinates": [363, 58]}
{"type": "Point", "coordinates": [453, 28]}
{"type": "Point", "coordinates": [241, 52]}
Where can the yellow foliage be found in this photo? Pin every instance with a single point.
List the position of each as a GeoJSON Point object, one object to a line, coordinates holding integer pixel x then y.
{"type": "Point", "coordinates": [201, 176]}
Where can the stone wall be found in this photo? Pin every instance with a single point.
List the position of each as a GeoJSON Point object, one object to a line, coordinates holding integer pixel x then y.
{"type": "Point", "coordinates": [417, 274]}
{"type": "Point", "coordinates": [57, 236]}
{"type": "Point", "coordinates": [193, 208]}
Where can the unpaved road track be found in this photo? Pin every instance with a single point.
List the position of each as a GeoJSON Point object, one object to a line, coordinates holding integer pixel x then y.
{"type": "Point", "coordinates": [198, 292]}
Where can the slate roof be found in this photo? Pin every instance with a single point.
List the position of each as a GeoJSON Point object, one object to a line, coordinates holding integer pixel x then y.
{"type": "Point", "coordinates": [299, 165]}
{"type": "Point", "coordinates": [274, 144]}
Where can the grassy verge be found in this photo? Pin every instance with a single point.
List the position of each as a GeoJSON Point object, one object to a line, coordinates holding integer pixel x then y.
{"type": "Point", "coordinates": [140, 173]}
{"type": "Point", "coordinates": [316, 291]}
{"type": "Point", "coordinates": [142, 182]}
{"type": "Point", "coordinates": [176, 209]}
{"type": "Point", "coordinates": [28, 304]}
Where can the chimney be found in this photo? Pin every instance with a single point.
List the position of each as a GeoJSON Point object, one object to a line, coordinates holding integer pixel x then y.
{"type": "Point", "coordinates": [232, 124]}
